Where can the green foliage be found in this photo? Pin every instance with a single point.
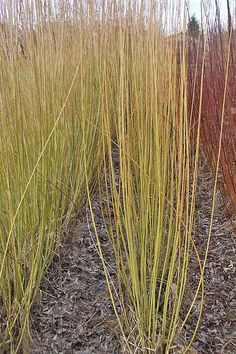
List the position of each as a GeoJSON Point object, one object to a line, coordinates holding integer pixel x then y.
{"type": "Point", "coordinates": [193, 27]}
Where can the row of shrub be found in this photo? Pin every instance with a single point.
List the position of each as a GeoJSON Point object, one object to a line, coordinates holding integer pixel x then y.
{"type": "Point", "coordinates": [215, 52]}
{"type": "Point", "coordinates": [77, 80]}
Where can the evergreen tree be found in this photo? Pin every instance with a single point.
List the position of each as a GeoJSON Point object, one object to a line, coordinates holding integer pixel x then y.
{"type": "Point", "coordinates": [193, 27]}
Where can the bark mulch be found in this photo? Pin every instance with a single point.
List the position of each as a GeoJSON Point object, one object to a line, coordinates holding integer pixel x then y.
{"type": "Point", "coordinates": [217, 332]}
{"type": "Point", "coordinates": [74, 314]}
